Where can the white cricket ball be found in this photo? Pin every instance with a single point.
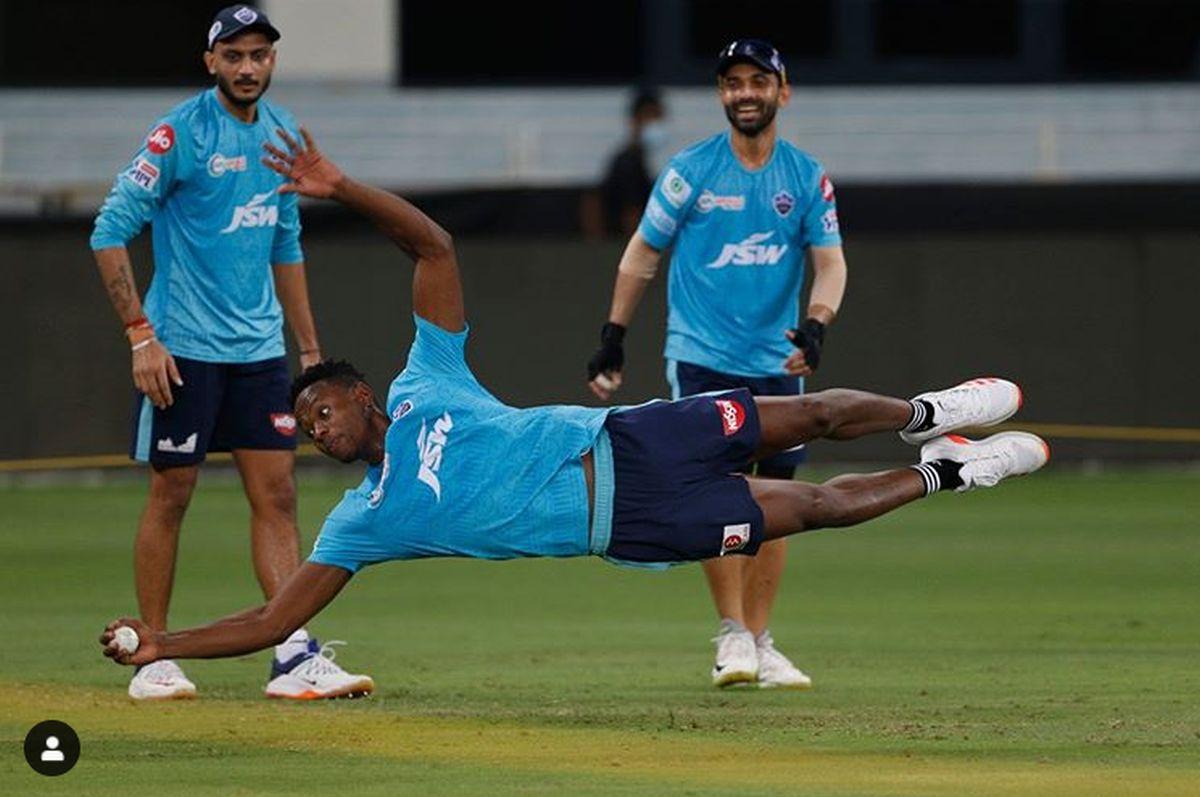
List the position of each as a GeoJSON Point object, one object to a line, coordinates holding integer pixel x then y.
{"type": "Point", "coordinates": [126, 639]}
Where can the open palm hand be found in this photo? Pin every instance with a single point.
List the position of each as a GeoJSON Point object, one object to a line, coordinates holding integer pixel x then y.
{"type": "Point", "coordinates": [308, 171]}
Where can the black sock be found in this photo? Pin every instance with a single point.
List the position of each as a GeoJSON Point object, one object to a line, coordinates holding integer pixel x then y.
{"type": "Point", "coordinates": [940, 474]}
{"type": "Point", "coordinates": [922, 416]}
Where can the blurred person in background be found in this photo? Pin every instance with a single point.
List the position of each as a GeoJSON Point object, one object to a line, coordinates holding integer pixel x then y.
{"type": "Point", "coordinates": [615, 206]}
{"type": "Point", "coordinates": [208, 354]}
{"type": "Point", "coordinates": [741, 210]}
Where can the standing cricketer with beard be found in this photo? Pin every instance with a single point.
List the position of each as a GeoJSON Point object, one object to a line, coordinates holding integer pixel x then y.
{"type": "Point", "coordinates": [740, 210]}
{"type": "Point", "coordinates": [207, 346]}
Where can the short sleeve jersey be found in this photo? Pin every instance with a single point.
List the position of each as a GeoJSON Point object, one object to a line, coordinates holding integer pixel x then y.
{"type": "Point", "coordinates": [739, 240]}
{"type": "Point", "coordinates": [463, 474]}
{"type": "Point", "coordinates": [218, 224]}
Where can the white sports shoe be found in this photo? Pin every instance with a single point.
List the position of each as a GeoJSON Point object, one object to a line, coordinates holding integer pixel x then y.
{"type": "Point", "coordinates": [775, 671]}
{"type": "Point", "coordinates": [985, 462]}
{"type": "Point", "coordinates": [161, 680]}
{"type": "Point", "coordinates": [313, 675]}
{"type": "Point", "coordinates": [737, 658]}
{"type": "Point", "coordinates": [976, 402]}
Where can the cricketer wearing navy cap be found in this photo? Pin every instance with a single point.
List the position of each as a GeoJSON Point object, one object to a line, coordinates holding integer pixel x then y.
{"type": "Point", "coordinates": [207, 350]}
{"type": "Point", "coordinates": [746, 215]}
{"type": "Point", "coordinates": [752, 51]}
{"type": "Point", "coordinates": [232, 20]}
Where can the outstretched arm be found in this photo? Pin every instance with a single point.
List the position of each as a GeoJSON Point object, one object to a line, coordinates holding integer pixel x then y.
{"type": "Point", "coordinates": [437, 290]}
{"type": "Point", "coordinates": [305, 593]}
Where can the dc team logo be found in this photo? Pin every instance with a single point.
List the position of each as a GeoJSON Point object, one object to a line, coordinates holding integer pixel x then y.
{"type": "Point", "coordinates": [783, 203]}
{"type": "Point", "coordinates": [732, 415]}
{"type": "Point", "coordinates": [826, 188]}
{"type": "Point", "coordinates": [245, 15]}
{"type": "Point", "coordinates": [735, 538]}
{"type": "Point", "coordinates": [161, 139]}
{"type": "Point", "coordinates": [284, 423]}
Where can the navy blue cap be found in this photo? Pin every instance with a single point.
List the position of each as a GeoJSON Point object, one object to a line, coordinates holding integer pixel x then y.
{"type": "Point", "coordinates": [231, 21]}
{"type": "Point", "coordinates": [751, 51]}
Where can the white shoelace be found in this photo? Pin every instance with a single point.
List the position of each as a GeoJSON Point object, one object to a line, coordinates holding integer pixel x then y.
{"type": "Point", "coordinates": [985, 474]}
{"type": "Point", "coordinates": [966, 402]}
{"type": "Point", "coordinates": [322, 662]}
{"type": "Point", "coordinates": [740, 643]}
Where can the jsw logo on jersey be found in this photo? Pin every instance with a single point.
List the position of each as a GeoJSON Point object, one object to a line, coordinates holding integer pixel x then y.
{"type": "Point", "coordinates": [750, 252]}
{"type": "Point", "coordinates": [254, 214]}
{"type": "Point", "coordinates": [429, 447]}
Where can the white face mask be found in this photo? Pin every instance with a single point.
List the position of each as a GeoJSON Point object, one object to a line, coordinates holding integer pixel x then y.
{"type": "Point", "coordinates": [654, 135]}
{"type": "Point", "coordinates": [654, 138]}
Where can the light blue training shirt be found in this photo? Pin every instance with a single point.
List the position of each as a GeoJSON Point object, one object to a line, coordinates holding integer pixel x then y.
{"type": "Point", "coordinates": [218, 227]}
{"type": "Point", "coordinates": [466, 475]}
{"type": "Point", "coordinates": [739, 239]}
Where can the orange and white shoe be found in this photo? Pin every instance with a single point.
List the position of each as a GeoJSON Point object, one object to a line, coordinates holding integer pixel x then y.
{"type": "Point", "coordinates": [313, 675]}
{"type": "Point", "coordinates": [161, 680]}
{"type": "Point", "coordinates": [977, 402]}
{"type": "Point", "coordinates": [987, 462]}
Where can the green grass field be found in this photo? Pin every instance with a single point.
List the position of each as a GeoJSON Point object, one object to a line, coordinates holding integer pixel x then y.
{"type": "Point", "coordinates": [1040, 639]}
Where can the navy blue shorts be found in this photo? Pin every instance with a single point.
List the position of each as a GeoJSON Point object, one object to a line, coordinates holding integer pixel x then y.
{"type": "Point", "coordinates": [688, 379]}
{"type": "Point", "coordinates": [221, 407]}
{"type": "Point", "coordinates": [678, 495]}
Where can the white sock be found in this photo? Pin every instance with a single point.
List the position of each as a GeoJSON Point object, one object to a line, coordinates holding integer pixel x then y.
{"type": "Point", "coordinates": [294, 645]}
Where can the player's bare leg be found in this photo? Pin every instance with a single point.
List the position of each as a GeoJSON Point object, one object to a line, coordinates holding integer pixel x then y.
{"type": "Point", "coordinates": [301, 669]}
{"type": "Point", "coordinates": [837, 414]}
{"type": "Point", "coordinates": [154, 554]}
{"type": "Point", "coordinates": [793, 507]}
{"type": "Point", "coordinates": [271, 491]}
{"type": "Point", "coordinates": [157, 541]}
{"type": "Point", "coordinates": [725, 575]}
{"type": "Point", "coordinates": [743, 589]}
{"type": "Point", "coordinates": [760, 583]}
{"type": "Point", "coordinates": [947, 461]}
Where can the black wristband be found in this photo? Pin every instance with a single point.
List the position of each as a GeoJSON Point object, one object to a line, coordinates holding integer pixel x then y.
{"type": "Point", "coordinates": [815, 328]}
{"type": "Point", "coordinates": [612, 333]}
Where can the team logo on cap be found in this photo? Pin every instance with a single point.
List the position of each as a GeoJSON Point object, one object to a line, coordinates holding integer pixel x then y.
{"type": "Point", "coordinates": [245, 15]}
{"type": "Point", "coordinates": [783, 202]}
{"type": "Point", "coordinates": [213, 32]}
{"type": "Point", "coordinates": [161, 139]}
